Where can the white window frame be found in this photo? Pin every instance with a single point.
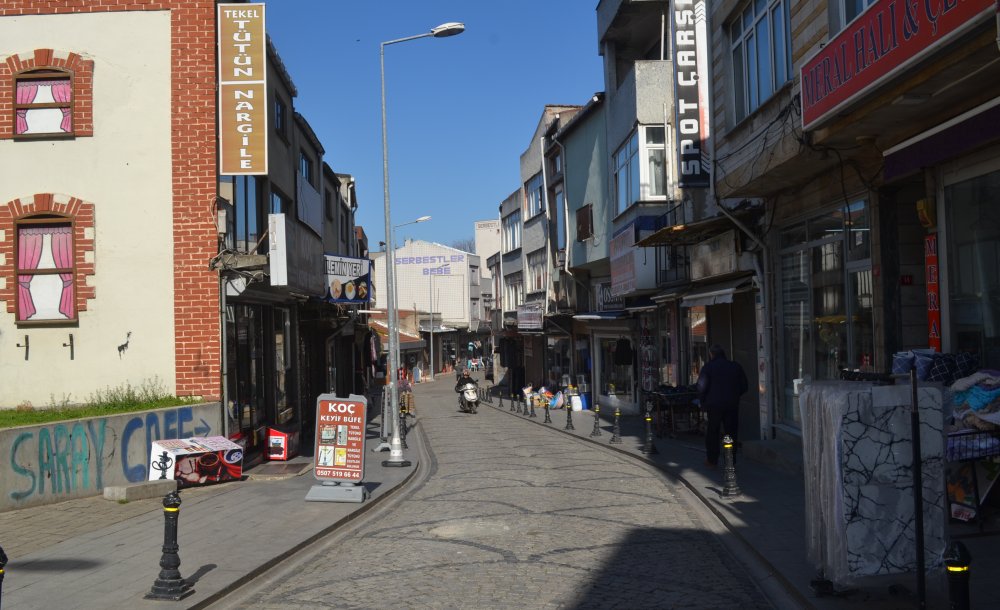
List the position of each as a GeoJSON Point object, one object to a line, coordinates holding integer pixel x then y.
{"type": "Point", "coordinates": [512, 231]}
{"type": "Point", "coordinates": [646, 152]}
{"type": "Point", "coordinates": [745, 56]}
{"type": "Point", "coordinates": [840, 11]}
{"type": "Point", "coordinates": [625, 162]}
{"type": "Point", "coordinates": [536, 271]}
{"type": "Point", "coordinates": [533, 196]}
{"type": "Point", "coordinates": [513, 291]}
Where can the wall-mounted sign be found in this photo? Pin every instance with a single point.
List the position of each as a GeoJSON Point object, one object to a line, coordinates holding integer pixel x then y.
{"type": "Point", "coordinates": [933, 292]}
{"type": "Point", "coordinates": [529, 316]}
{"type": "Point", "coordinates": [242, 90]}
{"type": "Point", "coordinates": [888, 37]}
{"type": "Point", "coordinates": [691, 84]}
{"type": "Point", "coordinates": [714, 256]}
{"type": "Point", "coordinates": [340, 439]}
{"type": "Point", "coordinates": [622, 254]}
{"type": "Point", "coordinates": [348, 279]}
{"type": "Point", "coordinates": [605, 300]}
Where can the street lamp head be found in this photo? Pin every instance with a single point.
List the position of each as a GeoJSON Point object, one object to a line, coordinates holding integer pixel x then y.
{"type": "Point", "coordinates": [422, 219]}
{"type": "Point", "coordinates": [452, 28]}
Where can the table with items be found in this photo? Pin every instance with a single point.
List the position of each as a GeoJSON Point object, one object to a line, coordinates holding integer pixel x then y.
{"type": "Point", "coordinates": [676, 409]}
{"type": "Point", "coordinates": [973, 448]}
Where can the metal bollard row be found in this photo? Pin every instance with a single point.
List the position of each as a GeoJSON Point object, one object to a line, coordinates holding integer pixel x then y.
{"type": "Point", "coordinates": [569, 418]}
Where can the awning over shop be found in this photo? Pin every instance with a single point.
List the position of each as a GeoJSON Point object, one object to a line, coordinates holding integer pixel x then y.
{"type": "Point", "coordinates": [641, 304]}
{"type": "Point", "coordinates": [405, 345]}
{"type": "Point", "coordinates": [668, 295]}
{"type": "Point", "coordinates": [617, 314]}
{"type": "Point", "coordinates": [694, 232]}
{"type": "Point", "coordinates": [715, 294]}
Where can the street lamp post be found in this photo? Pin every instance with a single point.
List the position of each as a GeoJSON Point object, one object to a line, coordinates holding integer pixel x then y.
{"type": "Point", "coordinates": [395, 444]}
{"type": "Point", "coordinates": [395, 305]}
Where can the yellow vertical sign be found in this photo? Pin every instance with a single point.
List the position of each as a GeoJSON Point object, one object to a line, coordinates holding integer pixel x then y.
{"type": "Point", "coordinates": [242, 90]}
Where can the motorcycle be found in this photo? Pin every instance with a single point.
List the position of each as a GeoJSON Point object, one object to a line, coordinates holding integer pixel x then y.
{"type": "Point", "coordinates": [468, 397]}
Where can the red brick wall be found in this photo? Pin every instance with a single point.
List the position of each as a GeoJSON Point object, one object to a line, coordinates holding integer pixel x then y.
{"type": "Point", "coordinates": [193, 76]}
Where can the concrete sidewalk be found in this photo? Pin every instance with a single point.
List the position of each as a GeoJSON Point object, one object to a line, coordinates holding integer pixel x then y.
{"type": "Point", "coordinates": [768, 516]}
{"type": "Point", "coordinates": [95, 553]}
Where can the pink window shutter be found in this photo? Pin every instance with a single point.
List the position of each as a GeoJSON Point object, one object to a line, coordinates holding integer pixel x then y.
{"type": "Point", "coordinates": [62, 255]}
{"type": "Point", "coordinates": [29, 252]}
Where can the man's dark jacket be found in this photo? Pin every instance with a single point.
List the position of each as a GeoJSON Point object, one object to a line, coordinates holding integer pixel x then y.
{"type": "Point", "coordinates": [721, 383]}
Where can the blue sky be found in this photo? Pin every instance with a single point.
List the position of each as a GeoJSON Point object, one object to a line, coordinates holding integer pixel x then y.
{"type": "Point", "coordinates": [461, 110]}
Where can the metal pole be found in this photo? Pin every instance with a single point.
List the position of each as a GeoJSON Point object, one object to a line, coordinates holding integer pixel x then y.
{"type": "Point", "coordinates": [430, 306]}
{"type": "Point", "coordinates": [396, 443]}
{"type": "Point", "coordinates": [918, 490]}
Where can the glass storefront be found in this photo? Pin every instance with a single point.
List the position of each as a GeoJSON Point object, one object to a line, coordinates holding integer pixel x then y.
{"type": "Point", "coordinates": [697, 341]}
{"type": "Point", "coordinates": [973, 224]}
{"type": "Point", "coordinates": [616, 368]}
{"type": "Point", "coordinates": [827, 299]}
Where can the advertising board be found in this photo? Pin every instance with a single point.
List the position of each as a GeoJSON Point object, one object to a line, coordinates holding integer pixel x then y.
{"type": "Point", "coordinates": [340, 439]}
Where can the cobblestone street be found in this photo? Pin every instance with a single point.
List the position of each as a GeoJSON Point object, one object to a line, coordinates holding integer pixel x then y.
{"type": "Point", "coordinates": [506, 514]}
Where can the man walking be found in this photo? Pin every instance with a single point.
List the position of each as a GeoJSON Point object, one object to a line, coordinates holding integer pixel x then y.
{"type": "Point", "coordinates": [720, 385]}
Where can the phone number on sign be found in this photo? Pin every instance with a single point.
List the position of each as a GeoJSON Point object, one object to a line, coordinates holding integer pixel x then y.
{"type": "Point", "coordinates": [340, 474]}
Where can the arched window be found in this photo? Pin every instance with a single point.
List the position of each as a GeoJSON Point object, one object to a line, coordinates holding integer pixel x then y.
{"type": "Point", "coordinates": [43, 104]}
{"type": "Point", "coordinates": [46, 273]}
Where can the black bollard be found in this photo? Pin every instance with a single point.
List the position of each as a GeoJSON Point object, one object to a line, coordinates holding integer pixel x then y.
{"type": "Point", "coordinates": [548, 418]}
{"type": "Point", "coordinates": [597, 421]}
{"type": "Point", "coordinates": [649, 448]}
{"type": "Point", "coordinates": [616, 438]}
{"type": "Point", "coordinates": [3, 563]}
{"type": "Point", "coordinates": [402, 433]}
{"type": "Point", "coordinates": [957, 560]}
{"type": "Point", "coordinates": [730, 488]}
{"type": "Point", "coordinates": [533, 409]}
{"type": "Point", "coordinates": [500, 401]}
{"type": "Point", "coordinates": [513, 402]}
{"type": "Point", "coordinates": [169, 584]}
{"type": "Point", "coordinates": [569, 418]}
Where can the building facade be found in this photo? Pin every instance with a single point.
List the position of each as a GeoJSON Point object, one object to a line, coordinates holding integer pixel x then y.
{"type": "Point", "coordinates": [80, 257]}
{"type": "Point", "coordinates": [144, 203]}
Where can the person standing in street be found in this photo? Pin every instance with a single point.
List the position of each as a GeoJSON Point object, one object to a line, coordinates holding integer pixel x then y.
{"type": "Point", "coordinates": [720, 385]}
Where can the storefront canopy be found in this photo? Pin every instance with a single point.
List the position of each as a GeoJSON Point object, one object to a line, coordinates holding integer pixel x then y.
{"type": "Point", "coordinates": [715, 294]}
{"type": "Point", "coordinates": [616, 314]}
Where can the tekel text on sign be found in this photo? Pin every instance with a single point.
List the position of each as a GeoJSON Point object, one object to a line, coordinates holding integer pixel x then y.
{"type": "Point", "coordinates": [242, 90]}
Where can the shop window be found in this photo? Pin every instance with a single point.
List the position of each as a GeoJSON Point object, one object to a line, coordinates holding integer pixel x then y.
{"type": "Point", "coordinates": [46, 274]}
{"type": "Point", "coordinates": [617, 359]}
{"type": "Point", "coordinates": [974, 267]}
{"type": "Point", "coordinates": [827, 301]}
{"type": "Point", "coordinates": [697, 341]}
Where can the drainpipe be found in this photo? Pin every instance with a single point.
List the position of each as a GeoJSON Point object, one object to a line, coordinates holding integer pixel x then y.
{"type": "Point", "coordinates": [548, 236]}
{"type": "Point", "coordinates": [225, 363]}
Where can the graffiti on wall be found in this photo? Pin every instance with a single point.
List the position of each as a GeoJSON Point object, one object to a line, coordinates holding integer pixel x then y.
{"type": "Point", "coordinates": [66, 458]}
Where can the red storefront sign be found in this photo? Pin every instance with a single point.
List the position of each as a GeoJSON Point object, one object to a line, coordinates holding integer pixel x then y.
{"type": "Point", "coordinates": [887, 38]}
{"type": "Point", "coordinates": [933, 292]}
{"type": "Point", "coordinates": [340, 440]}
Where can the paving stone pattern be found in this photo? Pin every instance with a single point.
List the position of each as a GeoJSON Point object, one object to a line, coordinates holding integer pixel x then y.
{"type": "Point", "coordinates": [513, 515]}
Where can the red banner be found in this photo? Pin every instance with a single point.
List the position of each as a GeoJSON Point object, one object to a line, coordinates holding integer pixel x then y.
{"type": "Point", "coordinates": [889, 36]}
{"type": "Point", "coordinates": [933, 292]}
